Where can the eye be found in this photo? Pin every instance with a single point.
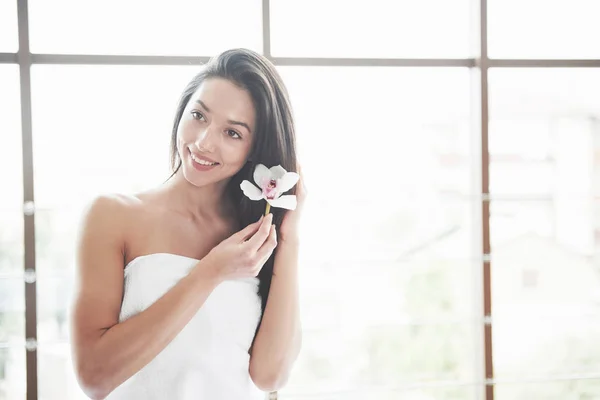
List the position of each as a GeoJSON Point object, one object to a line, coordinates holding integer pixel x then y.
{"type": "Point", "coordinates": [197, 115]}
{"type": "Point", "coordinates": [233, 134]}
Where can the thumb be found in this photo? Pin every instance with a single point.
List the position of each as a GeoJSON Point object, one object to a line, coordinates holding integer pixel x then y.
{"type": "Point", "coordinates": [244, 234]}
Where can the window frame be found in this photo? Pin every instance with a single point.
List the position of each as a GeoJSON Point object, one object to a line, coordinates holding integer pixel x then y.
{"type": "Point", "coordinates": [479, 65]}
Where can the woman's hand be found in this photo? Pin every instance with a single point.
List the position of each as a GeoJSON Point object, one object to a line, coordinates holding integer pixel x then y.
{"type": "Point", "coordinates": [289, 229]}
{"type": "Point", "coordinates": [243, 254]}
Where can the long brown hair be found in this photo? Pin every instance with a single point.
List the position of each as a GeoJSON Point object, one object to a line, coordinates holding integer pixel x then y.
{"type": "Point", "coordinates": [274, 140]}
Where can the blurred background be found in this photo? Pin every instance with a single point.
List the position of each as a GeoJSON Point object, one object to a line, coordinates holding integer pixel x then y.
{"type": "Point", "coordinates": [451, 147]}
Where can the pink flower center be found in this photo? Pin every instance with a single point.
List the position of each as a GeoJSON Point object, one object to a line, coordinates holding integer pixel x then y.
{"type": "Point", "coordinates": [270, 190]}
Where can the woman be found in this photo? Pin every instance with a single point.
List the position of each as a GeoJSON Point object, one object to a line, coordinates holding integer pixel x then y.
{"type": "Point", "coordinates": [185, 291]}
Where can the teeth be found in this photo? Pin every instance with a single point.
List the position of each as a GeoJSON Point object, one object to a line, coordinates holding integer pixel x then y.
{"type": "Point", "coordinates": [201, 161]}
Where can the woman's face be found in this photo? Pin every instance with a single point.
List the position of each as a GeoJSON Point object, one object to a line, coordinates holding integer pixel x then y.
{"type": "Point", "coordinates": [215, 134]}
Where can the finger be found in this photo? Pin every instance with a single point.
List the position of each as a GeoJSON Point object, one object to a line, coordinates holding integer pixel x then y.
{"type": "Point", "coordinates": [268, 246]}
{"type": "Point", "coordinates": [244, 234]}
{"type": "Point", "coordinates": [261, 235]}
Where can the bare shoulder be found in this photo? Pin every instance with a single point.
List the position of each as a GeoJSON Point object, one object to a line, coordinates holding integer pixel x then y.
{"type": "Point", "coordinates": [110, 204]}
{"type": "Point", "coordinates": [110, 209]}
{"type": "Point", "coordinates": [104, 222]}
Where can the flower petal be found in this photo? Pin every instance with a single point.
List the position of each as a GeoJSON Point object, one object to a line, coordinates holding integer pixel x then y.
{"type": "Point", "coordinates": [262, 175]}
{"type": "Point", "coordinates": [277, 172]}
{"type": "Point", "coordinates": [287, 181]}
{"type": "Point", "coordinates": [288, 202]}
{"type": "Point", "coordinates": [251, 191]}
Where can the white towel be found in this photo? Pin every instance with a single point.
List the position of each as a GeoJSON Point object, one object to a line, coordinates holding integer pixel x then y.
{"type": "Point", "coordinates": [209, 358]}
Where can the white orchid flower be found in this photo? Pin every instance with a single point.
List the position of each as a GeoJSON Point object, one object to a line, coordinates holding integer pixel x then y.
{"type": "Point", "coordinates": [272, 183]}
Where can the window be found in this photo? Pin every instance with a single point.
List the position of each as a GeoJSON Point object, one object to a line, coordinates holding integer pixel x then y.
{"type": "Point", "coordinates": [8, 26]}
{"type": "Point", "coordinates": [378, 29]}
{"type": "Point", "coordinates": [544, 129]}
{"type": "Point", "coordinates": [369, 313]}
{"type": "Point", "coordinates": [181, 27]}
{"type": "Point", "coordinates": [551, 29]}
{"type": "Point", "coordinates": [395, 291]}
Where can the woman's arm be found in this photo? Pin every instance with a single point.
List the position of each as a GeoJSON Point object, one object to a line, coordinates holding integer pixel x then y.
{"type": "Point", "coordinates": [106, 353]}
{"type": "Point", "coordinates": [279, 337]}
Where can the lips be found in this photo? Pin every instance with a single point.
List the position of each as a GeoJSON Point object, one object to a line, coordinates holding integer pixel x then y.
{"type": "Point", "coordinates": [202, 160]}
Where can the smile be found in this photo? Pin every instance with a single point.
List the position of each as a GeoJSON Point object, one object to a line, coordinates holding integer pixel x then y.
{"type": "Point", "coordinates": [202, 161]}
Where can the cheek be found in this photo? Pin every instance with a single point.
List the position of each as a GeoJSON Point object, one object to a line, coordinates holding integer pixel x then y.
{"type": "Point", "coordinates": [184, 135]}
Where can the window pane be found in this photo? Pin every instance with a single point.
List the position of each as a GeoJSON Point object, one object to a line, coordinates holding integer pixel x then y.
{"type": "Point", "coordinates": [55, 236]}
{"type": "Point", "coordinates": [182, 27]}
{"type": "Point", "coordinates": [54, 297]}
{"type": "Point", "coordinates": [12, 373]}
{"type": "Point", "coordinates": [11, 176]}
{"type": "Point", "coordinates": [9, 42]}
{"type": "Point", "coordinates": [12, 309]}
{"type": "Point", "coordinates": [417, 297]}
{"type": "Point", "coordinates": [56, 378]}
{"type": "Point", "coordinates": [394, 145]}
{"type": "Point", "coordinates": [545, 287]}
{"type": "Point", "coordinates": [11, 165]}
{"type": "Point", "coordinates": [543, 28]}
{"type": "Point", "coordinates": [549, 390]}
{"type": "Point", "coordinates": [358, 359]}
{"type": "Point", "coordinates": [545, 129]}
{"type": "Point", "coordinates": [109, 121]}
{"type": "Point", "coordinates": [11, 241]}
{"type": "Point", "coordinates": [12, 337]}
{"type": "Point", "coordinates": [379, 28]}
{"type": "Point", "coordinates": [521, 346]}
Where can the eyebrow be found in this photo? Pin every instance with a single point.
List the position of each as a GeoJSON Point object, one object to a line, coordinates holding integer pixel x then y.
{"type": "Point", "coordinates": [245, 125]}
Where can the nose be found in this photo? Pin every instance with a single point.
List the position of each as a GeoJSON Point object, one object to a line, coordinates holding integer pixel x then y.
{"type": "Point", "coordinates": [206, 140]}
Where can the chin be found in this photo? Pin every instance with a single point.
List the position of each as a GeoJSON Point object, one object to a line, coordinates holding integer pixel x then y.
{"type": "Point", "coordinates": [206, 178]}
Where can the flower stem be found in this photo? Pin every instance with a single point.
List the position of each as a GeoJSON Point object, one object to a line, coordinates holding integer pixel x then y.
{"type": "Point", "coordinates": [268, 209]}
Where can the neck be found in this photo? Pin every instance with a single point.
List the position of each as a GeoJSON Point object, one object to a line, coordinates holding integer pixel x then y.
{"type": "Point", "coordinates": [209, 200]}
